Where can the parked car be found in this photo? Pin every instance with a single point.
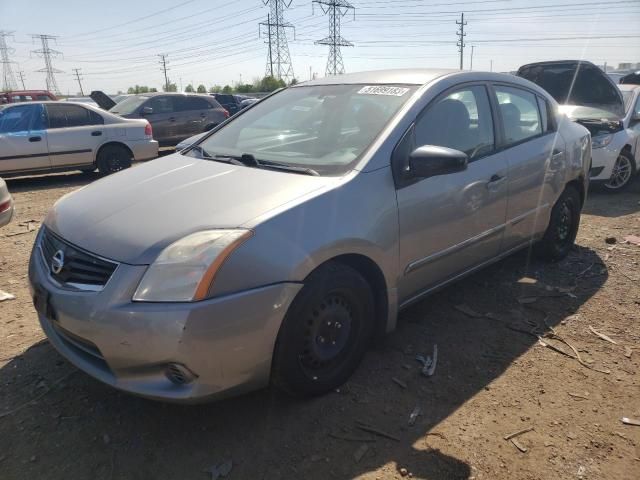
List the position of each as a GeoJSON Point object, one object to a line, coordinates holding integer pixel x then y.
{"type": "Point", "coordinates": [174, 116]}
{"type": "Point", "coordinates": [632, 78]}
{"type": "Point", "coordinates": [189, 141]}
{"type": "Point", "coordinates": [280, 244]}
{"type": "Point", "coordinates": [588, 96]}
{"type": "Point", "coordinates": [40, 137]}
{"type": "Point", "coordinates": [248, 101]}
{"type": "Point", "coordinates": [231, 102]}
{"type": "Point", "coordinates": [6, 204]}
{"type": "Point", "coordinates": [18, 96]}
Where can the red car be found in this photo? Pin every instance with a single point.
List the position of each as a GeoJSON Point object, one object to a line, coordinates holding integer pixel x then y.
{"type": "Point", "coordinates": [17, 96]}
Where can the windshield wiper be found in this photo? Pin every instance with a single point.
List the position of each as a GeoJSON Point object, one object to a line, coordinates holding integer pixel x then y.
{"type": "Point", "coordinates": [249, 160]}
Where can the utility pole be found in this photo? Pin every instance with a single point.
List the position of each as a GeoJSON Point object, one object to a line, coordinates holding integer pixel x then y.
{"type": "Point", "coordinates": [471, 66]}
{"type": "Point", "coordinates": [278, 61]}
{"type": "Point", "coordinates": [8, 80]}
{"type": "Point", "coordinates": [48, 53]}
{"type": "Point", "coordinates": [163, 62]}
{"type": "Point", "coordinates": [21, 74]}
{"type": "Point", "coordinates": [461, 36]}
{"type": "Point", "coordinates": [491, 66]}
{"type": "Point", "coordinates": [77, 72]}
{"type": "Point", "coordinates": [336, 10]}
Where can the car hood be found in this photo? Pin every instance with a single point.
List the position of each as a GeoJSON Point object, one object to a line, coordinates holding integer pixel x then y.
{"type": "Point", "coordinates": [598, 122]}
{"type": "Point", "coordinates": [573, 82]}
{"type": "Point", "coordinates": [132, 215]}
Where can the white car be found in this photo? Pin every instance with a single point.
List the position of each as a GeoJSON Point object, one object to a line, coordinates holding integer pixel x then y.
{"type": "Point", "coordinates": [39, 137]}
{"type": "Point", "coordinates": [588, 96]}
{"type": "Point", "coordinates": [6, 204]}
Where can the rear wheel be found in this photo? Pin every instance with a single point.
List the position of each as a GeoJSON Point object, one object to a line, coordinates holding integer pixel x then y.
{"type": "Point", "coordinates": [113, 158]}
{"type": "Point", "coordinates": [563, 227]}
{"type": "Point", "coordinates": [325, 333]}
{"type": "Point", "coordinates": [623, 171]}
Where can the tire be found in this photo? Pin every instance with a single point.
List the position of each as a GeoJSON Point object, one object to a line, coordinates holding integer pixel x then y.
{"type": "Point", "coordinates": [622, 175]}
{"type": "Point", "coordinates": [113, 158]}
{"type": "Point", "coordinates": [325, 332]}
{"type": "Point", "coordinates": [563, 227]}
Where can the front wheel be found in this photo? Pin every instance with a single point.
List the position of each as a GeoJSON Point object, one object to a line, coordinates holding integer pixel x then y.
{"type": "Point", "coordinates": [563, 227]}
{"type": "Point", "coordinates": [113, 158]}
{"type": "Point", "coordinates": [623, 171]}
{"type": "Point", "coordinates": [325, 333]}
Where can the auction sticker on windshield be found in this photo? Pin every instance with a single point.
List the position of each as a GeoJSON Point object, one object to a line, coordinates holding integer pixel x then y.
{"type": "Point", "coordinates": [383, 90]}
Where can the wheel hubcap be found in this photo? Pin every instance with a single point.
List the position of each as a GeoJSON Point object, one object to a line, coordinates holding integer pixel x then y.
{"type": "Point", "coordinates": [564, 225]}
{"type": "Point", "coordinates": [621, 172]}
{"type": "Point", "coordinates": [327, 333]}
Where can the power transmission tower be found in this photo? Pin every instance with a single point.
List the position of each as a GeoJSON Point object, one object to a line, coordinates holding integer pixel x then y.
{"type": "Point", "coordinates": [461, 36]}
{"type": "Point", "coordinates": [278, 59]}
{"type": "Point", "coordinates": [336, 10]}
{"type": "Point", "coordinates": [21, 74]}
{"type": "Point", "coordinates": [47, 53]}
{"type": "Point", "coordinates": [163, 62]}
{"type": "Point", "coordinates": [77, 72]}
{"type": "Point", "coordinates": [8, 80]}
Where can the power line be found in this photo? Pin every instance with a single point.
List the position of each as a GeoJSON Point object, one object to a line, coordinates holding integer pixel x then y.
{"type": "Point", "coordinates": [77, 72]}
{"type": "Point", "coordinates": [47, 53]}
{"type": "Point", "coordinates": [21, 74]}
{"type": "Point", "coordinates": [336, 10]}
{"type": "Point", "coordinates": [8, 80]}
{"type": "Point", "coordinates": [278, 59]}
{"type": "Point", "coordinates": [461, 36]}
{"type": "Point", "coordinates": [163, 62]}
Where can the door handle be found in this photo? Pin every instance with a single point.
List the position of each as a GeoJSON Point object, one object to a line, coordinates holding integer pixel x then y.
{"type": "Point", "coordinates": [495, 180]}
{"type": "Point", "coordinates": [203, 115]}
{"type": "Point", "coordinates": [556, 153]}
{"type": "Point", "coordinates": [35, 139]}
{"type": "Point", "coordinates": [96, 134]}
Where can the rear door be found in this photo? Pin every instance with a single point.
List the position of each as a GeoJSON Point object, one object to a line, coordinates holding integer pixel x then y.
{"type": "Point", "coordinates": [536, 161]}
{"type": "Point", "coordinates": [23, 139]}
{"type": "Point", "coordinates": [451, 223]}
{"type": "Point", "coordinates": [196, 115]}
{"type": "Point", "coordinates": [74, 133]}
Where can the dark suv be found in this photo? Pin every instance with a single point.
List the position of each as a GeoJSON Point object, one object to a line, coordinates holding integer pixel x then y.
{"type": "Point", "coordinates": [173, 116]}
{"type": "Point", "coordinates": [228, 101]}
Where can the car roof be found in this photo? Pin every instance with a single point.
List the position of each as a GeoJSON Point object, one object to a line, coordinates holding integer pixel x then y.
{"type": "Point", "coordinates": [410, 76]}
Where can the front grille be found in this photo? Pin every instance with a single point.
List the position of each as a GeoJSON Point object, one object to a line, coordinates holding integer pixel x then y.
{"type": "Point", "coordinates": [80, 269]}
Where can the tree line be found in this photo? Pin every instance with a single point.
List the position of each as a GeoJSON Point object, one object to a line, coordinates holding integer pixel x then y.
{"type": "Point", "coordinates": [265, 84]}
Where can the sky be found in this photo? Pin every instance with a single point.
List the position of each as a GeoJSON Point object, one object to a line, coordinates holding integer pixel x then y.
{"type": "Point", "coordinates": [116, 44]}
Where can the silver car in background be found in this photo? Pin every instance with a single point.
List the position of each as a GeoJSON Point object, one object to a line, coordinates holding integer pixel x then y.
{"type": "Point", "coordinates": [281, 243]}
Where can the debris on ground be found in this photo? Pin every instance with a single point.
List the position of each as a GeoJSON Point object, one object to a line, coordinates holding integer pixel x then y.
{"type": "Point", "coordinates": [512, 438]}
{"type": "Point", "coordinates": [631, 421]}
{"type": "Point", "coordinates": [628, 351]}
{"type": "Point", "coordinates": [6, 296]}
{"type": "Point", "coordinates": [221, 470]}
{"type": "Point", "coordinates": [602, 335]}
{"type": "Point", "coordinates": [527, 281]}
{"type": "Point", "coordinates": [404, 472]}
{"type": "Point", "coordinates": [360, 452]}
{"type": "Point", "coordinates": [413, 416]}
{"type": "Point", "coordinates": [610, 240]}
{"type": "Point", "coordinates": [428, 363]}
{"type": "Point", "coordinates": [633, 239]}
{"type": "Point", "coordinates": [577, 395]}
{"type": "Point", "coordinates": [518, 445]}
{"type": "Point", "coordinates": [369, 428]}
{"type": "Point", "coordinates": [399, 382]}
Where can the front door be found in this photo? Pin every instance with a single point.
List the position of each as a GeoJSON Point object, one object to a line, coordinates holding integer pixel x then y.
{"type": "Point", "coordinates": [164, 118]}
{"type": "Point", "coordinates": [75, 133]}
{"type": "Point", "coordinates": [23, 139]}
{"type": "Point", "coordinates": [451, 223]}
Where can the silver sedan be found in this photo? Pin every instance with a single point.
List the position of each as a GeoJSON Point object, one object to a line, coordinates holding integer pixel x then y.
{"type": "Point", "coordinates": [278, 246]}
{"type": "Point", "coordinates": [6, 204]}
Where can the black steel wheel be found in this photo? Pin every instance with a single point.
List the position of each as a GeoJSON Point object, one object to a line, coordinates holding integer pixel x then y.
{"type": "Point", "coordinates": [113, 158]}
{"type": "Point", "coordinates": [563, 227]}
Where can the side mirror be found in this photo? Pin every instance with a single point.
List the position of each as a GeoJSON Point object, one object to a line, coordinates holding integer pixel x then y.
{"type": "Point", "coordinates": [431, 160]}
{"type": "Point", "coordinates": [146, 110]}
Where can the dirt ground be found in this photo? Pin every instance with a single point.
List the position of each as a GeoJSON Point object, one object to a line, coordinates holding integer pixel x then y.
{"type": "Point", "coordinates": [493, 377]}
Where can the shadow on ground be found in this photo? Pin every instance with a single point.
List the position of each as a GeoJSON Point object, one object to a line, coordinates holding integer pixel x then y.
{"type": "Point", "coordinates": [79, 428]}
{"type": "Point", "coordinates": [606, 204]}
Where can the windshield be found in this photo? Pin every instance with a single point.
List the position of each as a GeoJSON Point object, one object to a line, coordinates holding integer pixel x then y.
{"type": "Point", "coordinates": [325, 127]}
{"type": "Point", "coordinates": [128, 105]}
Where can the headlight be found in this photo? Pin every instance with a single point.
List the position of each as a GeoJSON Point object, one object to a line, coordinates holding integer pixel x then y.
{"type": "Point", "coordinates": [185, 270]}
{"type": "Point", "coordinates": [601, 141]}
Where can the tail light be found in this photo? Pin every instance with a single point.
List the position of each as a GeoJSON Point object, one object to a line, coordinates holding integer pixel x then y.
{"type": "Point", "coordinates": [4, 206]}
{"type": "Point", "coordinates": [148, 131]}
{"type": "Point", "coordinates": [226, 113]}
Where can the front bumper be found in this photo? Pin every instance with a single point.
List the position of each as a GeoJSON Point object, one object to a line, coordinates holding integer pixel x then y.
{"type": "Point", "coordinates": [144, 149]}
{"type": "Point", "coordinates": [227, 342]}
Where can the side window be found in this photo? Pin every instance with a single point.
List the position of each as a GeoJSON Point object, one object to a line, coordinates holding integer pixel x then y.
{"type": "Point", "coordinates": [520, 115]}
{"type": "Point", "coordinates": [21, 119]}
{"type": "Point", "coordinates": [196, 103]}
{"type": "Point", "coordinates": [462, 120]}
{"type": "Point", "coordinates": [162, 104]}
{"type": "Point", "coordinates": [63, 116]}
